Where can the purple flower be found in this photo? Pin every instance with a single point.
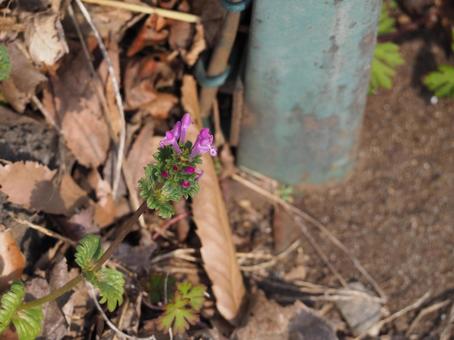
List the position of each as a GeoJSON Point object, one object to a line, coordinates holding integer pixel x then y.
{"type": "Point", "coordinates": [185, 123]}
{"type": "Point", "coordinates": [185, 184]}
{"type": "Point", "coordinates": [204, 144]}
{"type": "Point", "coordinates": [189, 170]}
{"type": "Point", "coordinates": [165, 174]}
{"type": "Point", "coordinates": [171, 138]}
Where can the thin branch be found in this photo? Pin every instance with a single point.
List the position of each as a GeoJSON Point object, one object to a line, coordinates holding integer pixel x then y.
{"type": "Point", "coordinates": [147, 10]}
{"type": "Point", "coordinates": [44, 231]}
{"type": "Point", "coordinates": [118, 100]}
{"type": "Point", "coordinates": [398, 314]}
{"type": "Point", "coordinates": [110, 323]}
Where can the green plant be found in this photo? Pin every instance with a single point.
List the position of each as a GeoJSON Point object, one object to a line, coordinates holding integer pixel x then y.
{"type": "Point", "coordinates": [5, 63]}
{"type": "Point", "coordinates": [386, 55]}
{"type": "Point", "coordinates": [441, 81]}
{"type": "Point", "coordinates": [173, 176]}
{"type": "Point", "coordinates": [184, 308]}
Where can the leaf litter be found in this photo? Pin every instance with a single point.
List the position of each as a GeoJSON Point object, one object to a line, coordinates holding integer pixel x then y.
{"type": "Point", "coordinates": [152, 59]}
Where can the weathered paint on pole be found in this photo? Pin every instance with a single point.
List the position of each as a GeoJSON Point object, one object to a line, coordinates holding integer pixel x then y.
{"type": "Point", "coordinates": [306, 84]}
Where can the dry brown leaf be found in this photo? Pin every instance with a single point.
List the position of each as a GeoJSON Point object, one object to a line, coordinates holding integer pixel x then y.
{"type": "Point", "coordinates": [87, 137]}
{"type": "Point", "coordinates": [105, 208]}
{"type": "Point", "coordinates": [109, 21]}
{"type": "Point", "coordinates": [218, 252]}
{"type": "Point", "coordinates": [20, 87]}
{"type": "Point", "coordinates": [141, 154]}
{"type": "Point", "coordinates": [198, 46]}
{"type": "Point", "coordinates": [189, 97]}
{"type": "Point", "coordinates": [142, 80]}
{"type": "Point", "coordinates": [45, 39]}
{"type": "Point", "coordinates": [33, 186]}
{"type": "Point", "coordinates": [180, 34]}
{"type": "Point", "coordinates": [11, 258]}
{"type": "Point", "coordinates": [152, 32]}
{"type": "Point", "coordinates": [160, 107]}
{"type": "Point", "coordinates": [73, 105]}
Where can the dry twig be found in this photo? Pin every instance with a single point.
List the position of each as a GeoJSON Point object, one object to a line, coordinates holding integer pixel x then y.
{"type": "Point", "coordinates": [118, 100]}
{"type": "Point", "coordinates": [139, 8]}
{"type": "Point", "coordinates": [312, 220]}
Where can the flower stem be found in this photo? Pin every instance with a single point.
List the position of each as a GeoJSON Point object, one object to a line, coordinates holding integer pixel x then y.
{"type": "Point", "coordinates": [124, 230]}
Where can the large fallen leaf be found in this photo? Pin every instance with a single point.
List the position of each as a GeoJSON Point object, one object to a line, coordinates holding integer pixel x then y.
{"type": "Point", "coordinates": [72, 104]}
{"type": "Point", "coordinates": [87, 137]}
{"type": "Point", "coordinates": [218, 252]}
{"type": "Point", "coordinates": [35, 186]}
{"type": "Point", "coordinates": [152, 32]}
{"type": "Point", "coordinates": [11, 258]}
{"type": "Point", "coordinates": [189, 96]}
{"type": "Point", "coordinates": [21, 85]}
{"type": "Point", "coordinates": [160, 107]}
{"type": "Point", "coordinates": [45, 38]}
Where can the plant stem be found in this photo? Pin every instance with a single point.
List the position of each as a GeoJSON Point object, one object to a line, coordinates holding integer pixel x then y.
{"type": "Point", "coordinates": [124, 230]}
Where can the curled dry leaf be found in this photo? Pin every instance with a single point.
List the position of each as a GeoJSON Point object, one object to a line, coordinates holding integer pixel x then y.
{"type": "Point", "coordinates": [143, 78]}
{"type": "Point", "coordinates": [152, 32]}
{"type": "Point", "coordinates": [180, 35]}
{"type": "Point", "coordinates": [21, 85]}
{"type": "Point", "coordinates": [35, 186]}
{"type": "Point", "coordinates": [197, 47]}
{"type": "Point", "coordinates": [45, 39]}
{"type": "Point", "coordinates": [160, 107]}
{"type": "Point", "coordinates": [11, 258]}
{"type": "Point", "coordinates": [218, 251]}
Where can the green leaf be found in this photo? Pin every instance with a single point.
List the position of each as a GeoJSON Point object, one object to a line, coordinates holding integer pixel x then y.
{"type": "Point", "coordinates": [178, 316]}
{"type": "Point", "coordinates": [26, 321]}
{"type": "Point", "coordinates": [385, 60]}
{"type": "Point", "coordinates": [194, 294]}
{"type": "Point", "coordinates": [88, 251]}
{"type": "Point", "coordinates": [441, 82]}
{"type": "Point", "coordinates": [184, 309]}
{"type": "Point", "coordinates": [386, 23]}
{"type": "Point", "coordinates": [5, 63]}
{"type": "Point", "coordinates": [110, 283]}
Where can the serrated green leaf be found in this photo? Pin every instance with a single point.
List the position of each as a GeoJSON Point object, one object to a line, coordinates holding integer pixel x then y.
{"type": "Point", "coordinates": [383, 67]}
{"type": "Point", "coordinates": [5, 63]}
{"type": "Point", "coordinates": [26, 321]}
{"type": "Point", "coordinates": [178, 316]}
{"type": "Point", "coordinates": [111, 285]}
{"type": "Point", "coordinates": [194, 294]}
{"type": "Point", "coordinates": [88, 251]}
{"type": "Point", "coordinates": [441, 82]}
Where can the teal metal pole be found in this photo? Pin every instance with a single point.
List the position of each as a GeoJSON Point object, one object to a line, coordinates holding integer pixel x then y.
{"type": "Point", "coordinates": [306, 84]}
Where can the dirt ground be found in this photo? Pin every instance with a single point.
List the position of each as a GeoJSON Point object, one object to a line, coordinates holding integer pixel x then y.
{"type": "Point", "coordinates": [396, 212]}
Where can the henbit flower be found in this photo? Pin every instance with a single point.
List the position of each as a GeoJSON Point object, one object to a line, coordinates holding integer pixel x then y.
{"type": "Point", "coordinates": [185, 184]}
{"type": "Point", "coordinates": [189, 170]}
{"type": "Point", "coordinates": [171, 138]}
{"type": "Point", "coordinates": [185, 123]}
{"type": "Point", "coordinates": [204, 143]}
{"type": "Point", "coordinates": [165, 174]}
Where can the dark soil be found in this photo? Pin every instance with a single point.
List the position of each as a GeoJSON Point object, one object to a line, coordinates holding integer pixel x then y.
{"type": "Point", "coordinates": [396, 211]}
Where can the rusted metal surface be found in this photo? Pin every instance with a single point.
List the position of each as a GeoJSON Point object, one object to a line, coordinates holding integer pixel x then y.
{"type": "Point", "coordinates": [305, 88]}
